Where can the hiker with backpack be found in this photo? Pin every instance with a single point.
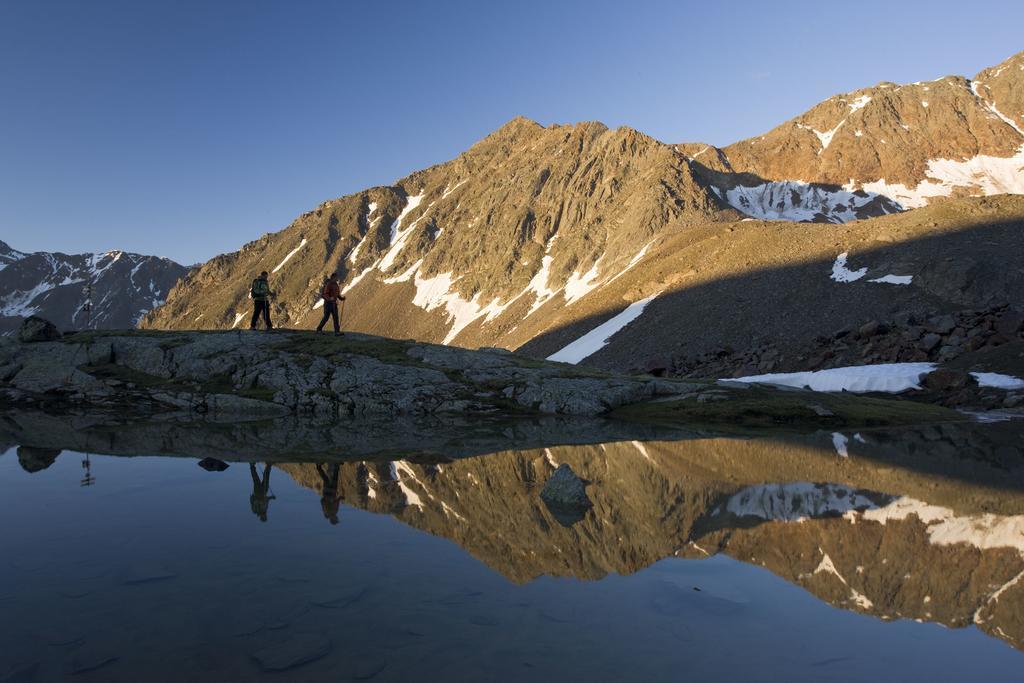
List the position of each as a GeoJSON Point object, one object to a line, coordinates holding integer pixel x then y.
{"type": "Point", "coordinates": [331, 294]}
{"type": "Point", "coordinates": [260, 293]}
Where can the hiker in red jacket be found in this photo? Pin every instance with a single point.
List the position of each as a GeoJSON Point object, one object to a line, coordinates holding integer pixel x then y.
{"type": "Point", "coordinates": [332, 296]}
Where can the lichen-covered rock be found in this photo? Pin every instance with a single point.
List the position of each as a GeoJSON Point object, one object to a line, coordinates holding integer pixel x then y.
{"type": "Point", "coordinates": [35, 329]}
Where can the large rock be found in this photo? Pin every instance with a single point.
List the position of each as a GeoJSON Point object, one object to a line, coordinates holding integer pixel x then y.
{"type": "Point", "coordinates": [947, 379]}
{"type": "Point", "coordinates": [565, 495]}
{"type": "Point", "coordinates": [36, 329]}
{"type": "Point", "coordinates": [36, 459]}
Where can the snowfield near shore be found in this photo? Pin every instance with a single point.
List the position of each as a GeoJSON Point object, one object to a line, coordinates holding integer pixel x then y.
{"type": "Point", "coordinates": [888, 377]}
{"type": "Point", "coordinates": [859, 379]}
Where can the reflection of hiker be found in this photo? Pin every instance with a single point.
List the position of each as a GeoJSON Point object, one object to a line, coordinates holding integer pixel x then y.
{"type": "Point", "coordinates": [260, 293]}
{"type": "Point", "coordinates": [329, 498]}
{"type": "Point", "coordinates": [260, 499]}
{"type": "Point", "coordinates": [331, 295]}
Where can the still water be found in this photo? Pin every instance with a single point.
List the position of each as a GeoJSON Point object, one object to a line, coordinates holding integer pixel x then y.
{"type": "Point", "coordinates": [702, 558]}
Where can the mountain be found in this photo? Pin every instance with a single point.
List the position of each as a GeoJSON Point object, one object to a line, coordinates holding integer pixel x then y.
{"type": "Point", "coordinates": [554, 239]}
{"type": "Point", "coordinates": [912, 143]}
{"type": "Point", "coordinates": [50, 285]}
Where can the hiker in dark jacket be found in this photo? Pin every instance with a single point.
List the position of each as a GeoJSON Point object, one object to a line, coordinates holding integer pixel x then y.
{"type": "Point", "coordinates": [260, 293]}
{"type": "Point", "coordinates": [331, 295]}
{"type": "Point", "coordinates": [261, 496]}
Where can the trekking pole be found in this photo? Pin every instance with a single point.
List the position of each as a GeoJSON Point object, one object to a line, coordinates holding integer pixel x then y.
{"type": "Point", "coordinates": [341, 313]}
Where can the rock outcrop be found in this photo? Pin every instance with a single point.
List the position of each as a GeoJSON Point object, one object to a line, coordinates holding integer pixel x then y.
{"type": "Point", "coordinates": [266, 374]}
{"type": "Point", "coordinates": [260, 374]}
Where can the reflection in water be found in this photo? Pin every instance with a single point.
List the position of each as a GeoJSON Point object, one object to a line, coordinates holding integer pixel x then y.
{"type": "Point", "coordinates": [923, 525]}
{"type": "Point", "coordinates": [261, 496]}
{"type": "Point", "coordinates": [330, 499]}
{"type": "Point", "coordinates": [852, 531]}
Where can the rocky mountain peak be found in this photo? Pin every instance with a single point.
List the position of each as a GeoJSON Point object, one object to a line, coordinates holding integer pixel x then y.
{"type": "Point", "coordinates": [910, 143]}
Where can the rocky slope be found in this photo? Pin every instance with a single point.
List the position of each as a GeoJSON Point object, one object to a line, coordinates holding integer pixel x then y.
{"type": "Point", "coordinates": [536, 237]}
{"type": "Point", "coordinates": [124, 287]}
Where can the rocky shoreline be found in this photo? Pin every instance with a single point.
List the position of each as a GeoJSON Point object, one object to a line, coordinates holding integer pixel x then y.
{"type": "Point", "coordinates": [253, 375]}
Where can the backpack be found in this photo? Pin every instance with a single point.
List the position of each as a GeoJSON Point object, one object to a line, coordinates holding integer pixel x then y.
{"type": "Point", "coordinates": [260, 289]}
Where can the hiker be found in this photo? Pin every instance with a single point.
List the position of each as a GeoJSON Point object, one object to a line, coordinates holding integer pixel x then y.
{"type": "Point", "coordinates": [261, 496]}
{"type": "Point", "coordinates": [260, 293]}
{"type": "Point", "coordinates": [330, 498]}
{"type": "Point", "coordinates": [331, 294]}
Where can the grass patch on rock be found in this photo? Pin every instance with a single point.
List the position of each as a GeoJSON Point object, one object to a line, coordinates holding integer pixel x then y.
{"type": "Point", "coordinates": [391, 351]}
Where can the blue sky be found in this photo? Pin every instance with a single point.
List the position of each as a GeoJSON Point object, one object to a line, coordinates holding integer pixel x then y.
{"type": "Point", "coordinates": [186, 129]}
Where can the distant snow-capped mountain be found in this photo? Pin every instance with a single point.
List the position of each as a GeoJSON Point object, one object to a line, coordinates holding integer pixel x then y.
{"type": "Point", "coordinates": [53, 285]}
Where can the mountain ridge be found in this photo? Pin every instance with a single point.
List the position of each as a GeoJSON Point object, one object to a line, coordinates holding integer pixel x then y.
{"type": "Point", "coordinates": [512, 238]}
{"type": "Point", "coordinates": [125, 286]}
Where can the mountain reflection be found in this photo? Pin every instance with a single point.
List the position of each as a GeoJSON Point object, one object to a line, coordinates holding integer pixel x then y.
{"type": "Point", "coordinates": [924, 524]}
{"type": "Point", "coordinates": [859, 534]}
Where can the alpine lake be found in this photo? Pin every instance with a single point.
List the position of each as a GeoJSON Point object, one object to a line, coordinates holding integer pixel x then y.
{"type": "Point", "coordinates": [300, 550]}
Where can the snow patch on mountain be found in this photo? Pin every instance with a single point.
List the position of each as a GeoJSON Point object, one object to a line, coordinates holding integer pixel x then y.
{"type": "Point", "coordinates": [595, 340]}
{"type": "Point", "coordinates": [859, 103]}
{"type": "Point", "coordinates": [578, 286]}
{"type": "Point", "coordinates": [291, 253]}
{"type": "Point", "coordinates": [998, 380]}
{"type": "Point", "coordinates": [436, 292]}
{"type": "Point", "coordinates": [894, 279]}
{"type": "Point", "coordinates": [945, 527]}
{"type": "Point", "coordinates": [791, 200]}
{"type": "Point", "coordinates": [371, 224]}
{"type": "Point", "coordinates": [988, 174]}
{"type": "Point", "coordinates": [795, 501]}
{"type": "Point", "coordinates": [840, 273]}
{"type": "Point", "coordinates": [400, 235]}
{"type": "Point", "coordinates": [991, 106]}
{"type": "Point", "coordinates": [882, 377]}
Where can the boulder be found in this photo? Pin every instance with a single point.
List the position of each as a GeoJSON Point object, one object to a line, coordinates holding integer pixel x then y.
{"type": "Point", "coordinates": [947, 379]}
{"type": "Point", "coordinates": [213, 465]}
{"type": "Point", "coordinates": [34, 459]}
{"type": "Point", "coordinates": [929, 341]}
{"type": "Point", "coordinates": [565, 495]}
{"type": "Point", "coordinates": [943, 324]}
{"type": "Point", "coordinates": [870, 329]}
{"type": "Point", "coordinates": [36, 329]}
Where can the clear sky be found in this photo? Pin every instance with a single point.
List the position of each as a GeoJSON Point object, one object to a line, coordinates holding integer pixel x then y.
{"type": "Point", "coordinates": [187, 128]}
